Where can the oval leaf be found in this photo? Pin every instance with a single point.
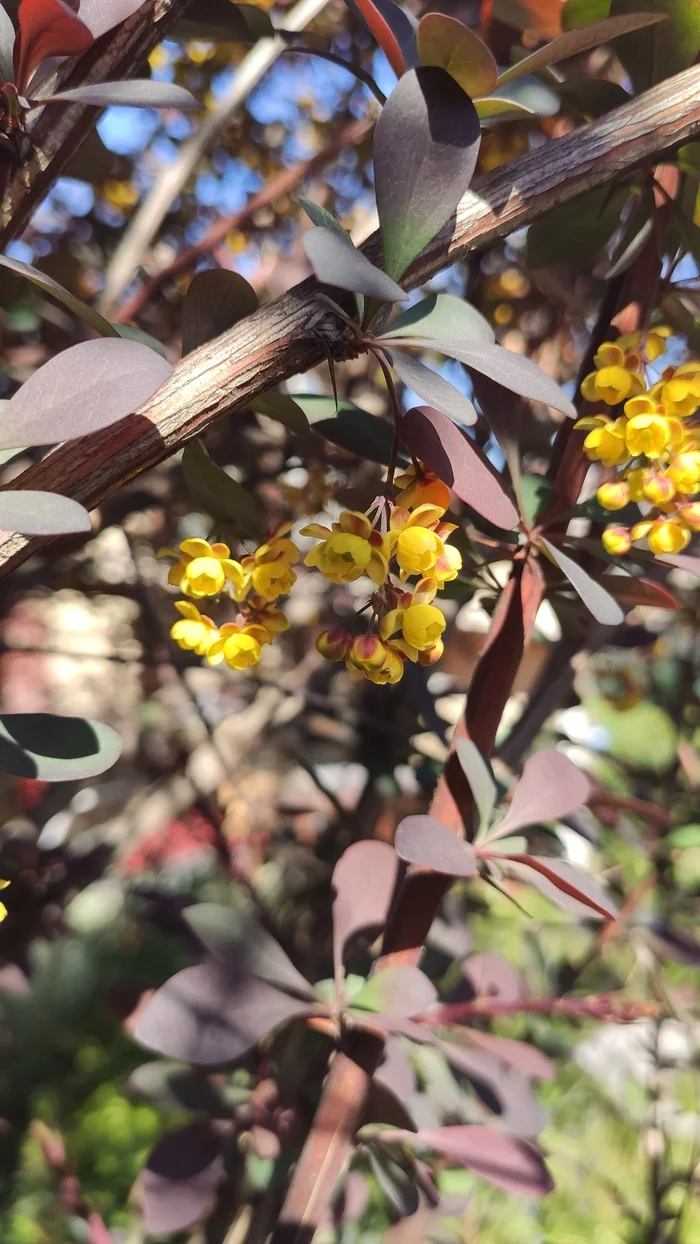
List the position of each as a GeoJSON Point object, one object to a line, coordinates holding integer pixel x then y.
{"type": "Point", "coordinates": [477, 771]}
{"type": "Point", "coordinates": [440, 318]}
{"type": "Point", "coordinates": [514, 372]}
{"type": "Point", "coordinates": [489, 973]}
{"type": "Point", "coordinates": [425, 149]}
{"type": "Point", "coordinates": [598, 602]}
{"type": "Point", "coordinates": [218, 494]}
{"type": "Point", "coordinates": [47, 28]}
{"type": "Point", "coordinates": [519, 1112]}
{"type": "Point", "coordinates": [499, 108]}
{"type": "Point", "coordinates": [425, 841]}
{"type": "Point", "coordinates": [565, 885]}
{"type": "Point", "coordinates": [392, 29]}
{"type": "Point", "coordinates": [363, 881]}
{"type": "Point", "coordinates": [454, 47]}
{"type": "Point", "coordinates": [283, 409]}
{"type": "Point", "coordinates": [214, 302]}
{"type": "Point", "coordinates": [458, 462]}
{"type": "Point", "coordinates": [631, 591]}
{"type": "Point", "coordinates": [42, 514]}
{"type": "Point", "coordinates": [56, 749]}
{"type": "Point", "coordinates": [7, 42]}
{"type": "Point", "coordinates": [206, 1015]}
{"type": "Point", "coordinates": [550, 787]}
{"type": "Point", "coordinates": [137, 93]}
{"type": "Point", "coordinates": [175, 1086]}
{"type": "Point", "coordinates": [336, 261]}
{"type": "Point", "coordinates": [400, 992]}
{"type": "Point", "coordinates": [87, 387]}
{"type": "Point", "coordinates": [432, 387]}
{"type": "Point", "coordinates": [180, 1179]}
{"type": "Point", "coordinates": [357, 432]}
{"type": "Point", "coordinates": [525, 1058]}
{"type": "Point", "coordinates": [103, 15]}
{"type": "Point", "coordinates": [242, 944]}
{"type": "Point", "coordinates": [573, 42]}
{"type": "Point", "coordinates": [508, 1163]}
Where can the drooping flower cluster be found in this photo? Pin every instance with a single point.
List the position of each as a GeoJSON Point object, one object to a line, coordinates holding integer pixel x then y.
{"type": "Point", "coordinates": [651, 438]}
{"type": "Point", "coordinates": [404, 625]}
{"type": "Point", "coordinates": [255, 583]}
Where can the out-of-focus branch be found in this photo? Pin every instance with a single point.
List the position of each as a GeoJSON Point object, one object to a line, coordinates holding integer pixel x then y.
{"type": "Point", "coordinates": [278, 340]}
{"type": "Point", "coordinates": [58, 131]}
{"type": "Point", "coordinates": [605, 1007]}
{"type": "Point", "coordinates": [286, 181]}
{"type": "Point", "coordinates": [148, 218]}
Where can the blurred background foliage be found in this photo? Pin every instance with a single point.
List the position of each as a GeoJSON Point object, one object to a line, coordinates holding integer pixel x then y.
{"type": "Point", "coordinates": [259, 781]}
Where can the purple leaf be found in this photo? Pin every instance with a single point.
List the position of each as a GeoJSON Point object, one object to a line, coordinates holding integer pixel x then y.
{"type": "Point", "coordinates": [563, 884]}
{"type": "Point", "coordinates": [395, 1071]}
{"type": "Point", "coordinates": [180, 1179]}
{"type": "Point", "coordinates": [336, 261]}
{"type": "Point", "coordinates": [514, 372]}
{"type": "Point", "coordinates": [394, 1181]}
{"type": "Point", "coordinates": [550, 787]}
{"type": "Point", "coordinates": [425, 149]}
{"type": "Point", "coordinates": [241, 944]}
{"type": "Point", "coordinates": [392, 28]}
{"type": "Point", "coordinates": [363, 881]}
{"type": "Point", "coordinates": [384, 1024]}
{"type": "Point", "coordinates": [597, 601]}
{"type": "Point", "coordinates": [103, 15]}
{"type": "Point", "coordinates": [206, 1015]}
{"type": "Point", "coordinates": [42, 514]}
{"type": "Point", "coordinates": [82, 390]}
{"type": "Point", "coordinates": [490, 975]}
{"type": "Point", "coordinates": [519, 1111]}
{"type": "Point", "coordinates": [525, 1058]}
{"type": "Point", "coordinates": [137, 93]}
{"type": "Point", "coordinates": [508, 1163]}
{"type": "Point", "coordinates": [681, 561]}
{"type": "Point", "coordinates": [400, 991]}
{"type": "Point", "coordinates": [425, 841]}
{"type": "Point", "coordinates": [458, 462]}
{"type": "Point", "coordinates": [46, 283]}
{"type": "Point", "coordinates": [385, 1106]}
{"type": "Point", "coordinates": [215, 300]}
{"type": "Point", "coordinates": [503, 411]}
{"type": "Point", "coordinates": [432, 387]}
{"type": "Point", "coordinates": [438, 319]}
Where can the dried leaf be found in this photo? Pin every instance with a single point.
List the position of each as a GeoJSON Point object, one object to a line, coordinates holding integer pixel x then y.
{"type": "Point", "coordinates": [508, 1163]}
{"type": "Point", "coordinates": [597, 601]}
{"type": "Point", "coordinates": [582, 39]}
{"type": "Point", "coordinates": [42, 514]}
{"type": "Point", "coordinates": [432, 388]}
{"type": "Point", "coordinates": [458, 462]}
{"type": "Point", "coordinates": [206, 1015]}
{"type": "Point", "coordinates": [242, 944]}
{"type": "Point", "coordinates": [336, 261]}
{"type": "Point", "coordinates": [363, 882]}
{"type": "Point", "coordinates": [425, 841]}
{"type": "Point", "coordinates": [82, 390]}
{"type": "Point", "coordinates": [550, 787]}
{"type": "Point", "coordinates": [180, 1179]}
{"type": "Point", "coordinates": [425, 147]}
{"type": "Point", "coordinates": [215, 301]}
{"type": "Point", "coordinates": [136, 93]}
{"type": "Point", "coordinates": [400, 992]}
{"type": "Point", "coordinates": [56, 749]}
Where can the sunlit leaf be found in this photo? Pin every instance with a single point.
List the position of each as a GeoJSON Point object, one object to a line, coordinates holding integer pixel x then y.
{"type": "Point", "coordinates": [283, 409]}
{"type": "Point", "coordinates": [425, 148]}
{"type": "Point", "coordinates": [441, 320]}
{"type": "Point", "coordinates": [508, 1163]}
{"type": "Point", "coordinates": [597, 601]}
{"type": "Point", "coordinates": [392, 29]}
{"type": "Point", "coordinates": [432, 387]}
{"type": "Point", "coordinates": [7, 42]}
{"type": "Point", "coordinates": [363, 884]}
{"type": "Point", "coordinates": [88, 314]}
{"type": "Point", "coordinates": [525, 1058]}
{"type": "Point", "coordinates": [582, 39]}
{"type": "Point", "coordinates": [180, 1178]}
{"type": "Point", "coordinates": [206, 1015]}
{"type": "Point", "coordinates": [218, 493]}
{"type": "Point", "coordinates": [243, 944]}
{"type": "Point", "coordinates": [323, 218]}
{"type": "Point", "coordinates": [425, 841]}
{"type": "Point", "coordinates": [498, 107]}
{"type": "Point", "coordinates": [477, 771]}
{"type": "Point", "coordinates": [550, 787]}
{"type": "Point", "coordinates": [651, 55]}
{"type": "Point", "coordinates": [103, 15]}
{"type": "Point", "coordinates": [582, 12]}
{"type": "Point", "coordinates": [47, 28]}
{"type": "Point", "coordinates": [42, 514]}
{"type": "Point", "coordinates": [336, 261]}
{"type": "Point", "coordinates": [130, 333]}
{"type": "Point", "coordinates": [136, 93]}
{"type": "Point", "coordinates": [563, 884]}
{"type": "Point", "coordinates": [519, 1112]}
{"type": "Point", "coordinates": [215, 300]}
{"type": "Point", "coordinates": [83, 389]}
{"type": "Point", "coordinates": [457, 461]}
{"type": "Point", "coordinates": [400, 990]}
{"type": "Point", "coordinates": [447, 43]}
{"type": "Point", "coordinates": [514, 372]}
{"type": "Point", "coordinates": [56, 749]}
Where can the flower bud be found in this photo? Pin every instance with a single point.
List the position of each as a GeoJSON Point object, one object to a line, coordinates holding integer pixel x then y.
{"type": "Point", "coordinates": [367, 652]}
{"type": "Point", "coordinates": [689, 514]}
{"type": "Point", "coordinates": [613, 495]}
{"type": "Point", "coordinates": [334, 644]}
{"type": "Point", "coordinates": [667, 536]}
{"type": "Point", "coordinates": [658, 489]}
{"type": "Point", "coordinates": [616, 540]}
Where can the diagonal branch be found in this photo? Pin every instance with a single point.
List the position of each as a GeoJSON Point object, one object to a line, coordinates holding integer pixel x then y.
{"type": "Point", "coordinates": [279, 340]}
{"type": "Point", "coordinates": [59, 131]}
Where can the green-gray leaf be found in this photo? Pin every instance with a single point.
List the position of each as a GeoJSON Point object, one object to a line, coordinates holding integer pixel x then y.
{"type": "Point", "coordinates": [218, 494]}
{"type": "Point", "coordinates": [56, 749]}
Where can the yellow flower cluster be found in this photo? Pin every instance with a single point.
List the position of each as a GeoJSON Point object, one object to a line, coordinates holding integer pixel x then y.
{"type": "Point", "coordinates": [3, 910]}
{"type": "Point", "coordinates": [255, 582]}
{"type": "Point", "coordinates": [652, 442]}
{"type": "Point", "coordinates": [404, 625]}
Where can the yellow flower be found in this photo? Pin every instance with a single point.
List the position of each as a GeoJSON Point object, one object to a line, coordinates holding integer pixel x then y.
{"type": "Point", "coordinates": [3, 909]}
{"type": "Point", "coordinates": [615, 384]}
{"type": "Point", "coordinates": [238, 646]}
{"type": "Point", "coordinates": [203, 569]}
{"type": "Point", "coordinates": [649, 435]}
{"type": "Point", "coordinates": [689, 514]}
{"type": "Point", "coordinates": [422, 626]}
{"type": "Point", "coordinates": [390, 670]}
{"type": "Point", "coordinates": [684, 471]}
{"type": "Point", "coordinates": [447, 566]}
{"type": "Point", "coordinates": [609, 354]}
{"type": "Point", "coordinates": [606, 441]}
{"type": "Point", "coordinates": [194, 631]}
{"type": "Point", "coordinates": [658, 489]}
{"type": "Point", "coordinates": [682, 393]}
{"type": "Point", "coordinates": [349, 550]}
{"type": "Point", "coordinates": [264, 613]}
{"type": "Point", "coordinates": [616, 540]}
{"type": "Point", "coordinates": [614, 495]}
{"type": "Point", "coordinates": [269, 569]}
{"type": "Point", "coordinates": [668, 536]}
{"type": "Point", "coordinates": [413, 540]}
{"type": "Point", "coordinates": [655, 344]}
{"type": "Point", "coordinates": [423, 489]}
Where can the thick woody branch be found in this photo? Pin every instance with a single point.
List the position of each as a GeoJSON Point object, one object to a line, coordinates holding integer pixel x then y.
{"type": "Point", "coordinates": [59, 131]}
{"type": "Point", "coordinates": [282, 338]}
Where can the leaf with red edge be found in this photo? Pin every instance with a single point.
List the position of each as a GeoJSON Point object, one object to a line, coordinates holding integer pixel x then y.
{"type": "Point", "coordinates": [47, 28]}
{"type": "Point", "coordinates": [565, 885]}
{"type": "Point", "coordinates": [180, 1179]}
{"type": "Point", "coordinates": [363, 882]}
{"type": "Point", "coordinates": [510, 1164]}
{"type": "Point", "coordinates": [425, 149]}
{"type": "Point", "coordinates": [550, 787]}
{"type": "Point", "coordinates": [456, 460]}
{"type": "Point", "coordinates": [206, 1015]}
{"type": "Point", "coordinates": [392, 29]}
{"type": "Point", "coordinates": [400, 991]}
{"type": "Point", "coordinates": [598, 602]}
{"type": "Point", "coordinates": [446, 42]}
{"type": "Point", "coordinates": [81, 390]}
{"type": "Point", "coordinates": [425, 841]}
{"type": "Point", "coordinates": [629, 591]}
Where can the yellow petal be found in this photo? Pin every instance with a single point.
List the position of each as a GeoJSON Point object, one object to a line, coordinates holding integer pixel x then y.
{"type": "Point", "coordinates": [194, 547]}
